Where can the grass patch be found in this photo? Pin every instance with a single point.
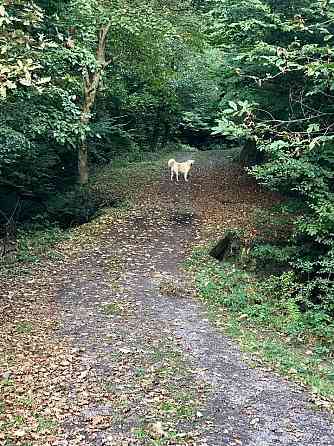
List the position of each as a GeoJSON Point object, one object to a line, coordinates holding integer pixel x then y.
{"type": "Point", "coordinates": [46, 424]}
{"type": "Point", "coordinates": [115, 309]}
{"type": "Point", "coordinates": [178, 406]}
{"type": "Point", "coordinates": [31, 246]}
{"type": "Point", "coordinates": [268, 348]}
{"type": "Point", "coordinates": [123, 179]}
{"type": "Point", "coordinates": [24, 327]}
{"type": "Point", "coordinates": [26, 402]}
{"type": "Point", "coordinates": [266, 319]}
{"type": "Point", "coordinates": [32, 243]}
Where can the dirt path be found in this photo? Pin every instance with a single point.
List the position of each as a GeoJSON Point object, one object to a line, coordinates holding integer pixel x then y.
{"type": "Point", "coordinates": [140, 363]}
{"type": "Point", "coordinates": [161, 373]}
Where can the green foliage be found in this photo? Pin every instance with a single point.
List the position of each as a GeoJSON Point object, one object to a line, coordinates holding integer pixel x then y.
{"type": "Point", "coordinates": [14, 146]}
{"type": "Point", "coordinates": [24, 327]}
{"type": "Point", "coordinates": [24, 165]}
{"type": "Point", "coordinates": [277, 84]}
{"type": "Point", "coordinates": [277, 302]}
{"type": "Point", "coordinates": [21, 44]}
{"type": "Point", "coordinates": [198, 88]}
{"type": "Point", "coordinates": [265, 253]}
{"type": "Point", "coordinates": [34, 241]}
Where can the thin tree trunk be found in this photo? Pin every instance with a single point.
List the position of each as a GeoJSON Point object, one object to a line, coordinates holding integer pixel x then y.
{"type": "Point", "coordinates": [83, 163]}
{"type": "Point", "coordinates": [91, 83]}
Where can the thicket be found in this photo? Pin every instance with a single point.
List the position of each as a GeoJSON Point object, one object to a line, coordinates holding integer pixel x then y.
{"type": "Point", "coordinates": [277, 90]}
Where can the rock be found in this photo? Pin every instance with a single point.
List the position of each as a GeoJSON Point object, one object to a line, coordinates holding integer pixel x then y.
{"type": "Point", "coordinates": [228, 246]}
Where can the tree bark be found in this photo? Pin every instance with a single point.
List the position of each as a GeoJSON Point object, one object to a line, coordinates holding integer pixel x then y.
{"type": "Point", "coordinates": [91, 83]}
{"type": "Point", "coordinates": [83, 163]}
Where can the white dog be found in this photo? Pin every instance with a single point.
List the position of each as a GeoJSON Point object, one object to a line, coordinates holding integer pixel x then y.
{"type": "Point", "coordinates": [177, 168]}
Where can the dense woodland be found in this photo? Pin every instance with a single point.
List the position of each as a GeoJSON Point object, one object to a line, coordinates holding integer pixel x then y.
{"type": "Point", "coordinates": [83, 82]}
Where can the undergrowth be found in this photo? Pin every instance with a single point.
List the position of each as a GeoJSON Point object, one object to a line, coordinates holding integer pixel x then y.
{"type": "Point", "coordinates": [267, 318]}
{"type": "Point", "coordinates": [31, 245]}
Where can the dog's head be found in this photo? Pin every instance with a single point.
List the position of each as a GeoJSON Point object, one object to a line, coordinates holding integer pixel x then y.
{"type": "Point", "coordinates": [191, 162]}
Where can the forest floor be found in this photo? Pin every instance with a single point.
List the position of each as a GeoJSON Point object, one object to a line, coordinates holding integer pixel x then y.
{"type": "Point", "coordinates": [106, 343]}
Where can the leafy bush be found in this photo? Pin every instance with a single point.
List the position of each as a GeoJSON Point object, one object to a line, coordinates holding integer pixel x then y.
{"type": "Point", "coordinates": [79, 205]}
{"type": "Point", "coordinates": [273, 255]}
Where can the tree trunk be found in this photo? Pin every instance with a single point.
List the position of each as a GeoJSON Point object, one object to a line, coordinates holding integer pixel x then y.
{"type": "Point", "coordinates": [90, 89]}
{"type": "Point", "coordinates": [83, 163]}
{"type": "Point", "coordinates": [91, 83]}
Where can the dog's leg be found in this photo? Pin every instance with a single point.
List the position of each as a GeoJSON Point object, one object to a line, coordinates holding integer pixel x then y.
{"type": "Point", "coordinates": [177, 176]}
{"type": "Point", "coordinates": [186, 176]}
{"type": "Point", "coordinates": [171, 174]}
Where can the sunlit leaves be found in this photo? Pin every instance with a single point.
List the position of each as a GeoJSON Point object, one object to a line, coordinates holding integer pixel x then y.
{"type": "Point", "coordinates": [229, 128]}
{"type": "Point", "coordinates": [21, 41]}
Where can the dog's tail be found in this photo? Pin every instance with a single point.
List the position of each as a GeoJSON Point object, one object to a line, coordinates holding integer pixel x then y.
{"type": "Point", "coordinates": [171, 162]}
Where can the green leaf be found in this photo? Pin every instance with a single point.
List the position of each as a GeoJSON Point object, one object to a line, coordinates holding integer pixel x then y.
{"type": "Point", "coordinates": [233, 105]}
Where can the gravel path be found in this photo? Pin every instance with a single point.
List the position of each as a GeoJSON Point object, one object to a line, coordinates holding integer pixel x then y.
{"type": "Point", "coordinates": [159, 371]}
